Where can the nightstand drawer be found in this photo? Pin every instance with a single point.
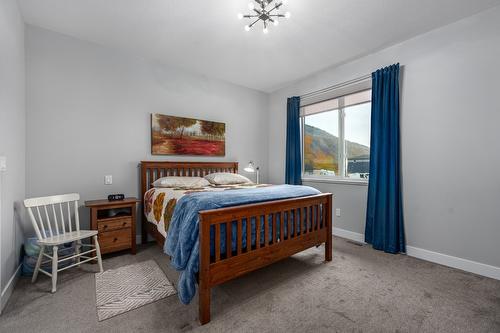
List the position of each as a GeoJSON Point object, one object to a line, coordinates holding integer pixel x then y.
{"type": "Point", "coordinates": [116, 240]}
{"type": "Point", "coordinates": [113, 224]}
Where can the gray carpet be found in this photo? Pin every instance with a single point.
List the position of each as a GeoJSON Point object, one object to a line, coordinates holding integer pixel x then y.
{"type": "Point", "coordinates": [362, 290]}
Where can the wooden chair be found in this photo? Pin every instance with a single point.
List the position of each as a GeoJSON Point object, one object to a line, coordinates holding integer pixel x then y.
{"type": "Point", "coordinates": [51, 218]}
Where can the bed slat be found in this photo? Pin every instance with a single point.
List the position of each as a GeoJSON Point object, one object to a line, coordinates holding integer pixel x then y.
{"type": "Point", "coordinates": [217, 242]}
{"type": "Point", "coordinates": [266, 230]}
{"type": "Point", "coordinates": [257, 232]}
{"type": "Point", "coordinates": [229, 246]}
{"type": "Point", "coordinates": [316, 217]}
{"type": "Point", "coordinates": [249, 233]}
{"type": "Point", "coordinates": [282, 226]}
{"type": "Point", "coordinates": [275, 234]}
{"type": "Point", "coordinates": [239, 236]}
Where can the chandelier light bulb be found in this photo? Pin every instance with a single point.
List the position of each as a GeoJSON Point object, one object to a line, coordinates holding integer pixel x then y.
{"type": "Point", "coordinates": [251, 6]}
{"type": "Point", "coordinates": [288, 15]}
{"type": "Point", "coordinates": [247, 28]}
{"type": "Point", "coordinates": [240, 16]}
{"type": "Point", "coordinates": [276, 22]}
{"type": "Point", "coordinates": [265, 30]}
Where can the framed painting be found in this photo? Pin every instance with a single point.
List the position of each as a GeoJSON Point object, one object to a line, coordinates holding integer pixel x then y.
{"type": "Point", "coordinates": [186, 136]}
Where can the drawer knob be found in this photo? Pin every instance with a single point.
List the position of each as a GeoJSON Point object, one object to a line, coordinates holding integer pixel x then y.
{"type": "Point", "coordinates": [105, 226]}
{"type": "Point", "coordinates": [114, 240]}
{"type": "Point", "coordinates": [124, 223]}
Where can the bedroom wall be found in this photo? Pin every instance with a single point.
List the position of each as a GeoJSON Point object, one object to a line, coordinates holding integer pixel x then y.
{"type": "Point", "coordinates": [450, 138]}
{"type": "Point", "coordinates": [12, 142]}
{"type": "Point", "coordinates": [89, 109]}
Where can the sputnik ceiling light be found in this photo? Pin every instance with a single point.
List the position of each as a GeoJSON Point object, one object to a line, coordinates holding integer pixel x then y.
{"type": "Point", "coordinates": [266, 11]}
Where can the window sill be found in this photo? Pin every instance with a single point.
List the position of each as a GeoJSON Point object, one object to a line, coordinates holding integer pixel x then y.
{"type": "Point", "coordinates": [335, 181]}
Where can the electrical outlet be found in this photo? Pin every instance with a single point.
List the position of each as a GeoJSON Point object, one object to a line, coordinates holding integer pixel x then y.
{"type": "Point", "coordinates": [3, 163]}
{"type": "Point", "coordinates": [337, 212]}
{"type": "Point", "coordinates": [108, 180]}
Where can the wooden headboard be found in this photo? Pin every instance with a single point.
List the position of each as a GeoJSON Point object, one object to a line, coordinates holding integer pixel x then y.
{"type": "Point", "coordinates": [152, 170]}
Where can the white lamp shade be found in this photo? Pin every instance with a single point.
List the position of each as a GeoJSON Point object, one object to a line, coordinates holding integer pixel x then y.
{"type": "Point", "coordinates": [250, 167]}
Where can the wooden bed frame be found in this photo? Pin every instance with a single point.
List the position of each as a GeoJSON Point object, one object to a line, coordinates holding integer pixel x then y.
{"type": "Point", "coordinates": [312, 228]}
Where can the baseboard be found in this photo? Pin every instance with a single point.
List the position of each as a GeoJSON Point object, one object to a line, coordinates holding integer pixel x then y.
{"type": "Point", "coordinates": [7, 291]}
{"type": "Point", "coordinates": [435, 257]}
{"type": "Point", "coordinates": [454, 262]}
{"type": "Point", "coordinates": [354, 236]}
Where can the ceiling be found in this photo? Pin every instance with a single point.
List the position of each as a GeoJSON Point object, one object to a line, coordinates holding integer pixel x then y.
{"type": "Point", "coordinates": [205, 36]}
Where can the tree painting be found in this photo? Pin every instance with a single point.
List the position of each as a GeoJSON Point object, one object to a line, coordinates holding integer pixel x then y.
{"type": "Point", "coordinates": [210, 127]}
{"type": "Point", "coordinates": [175, 124]}
{"type": "Point", "coordinates": [186, 136]}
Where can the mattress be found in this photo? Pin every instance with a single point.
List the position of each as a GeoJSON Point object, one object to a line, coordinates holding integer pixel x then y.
{"type": "Point", "coordinates": [159, 202]}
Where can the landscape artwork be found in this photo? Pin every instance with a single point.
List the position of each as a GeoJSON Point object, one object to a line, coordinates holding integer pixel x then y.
{"type": "Point", "coordinates": [186, 136]}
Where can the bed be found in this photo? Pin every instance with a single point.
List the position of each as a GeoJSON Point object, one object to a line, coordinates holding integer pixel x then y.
{"type": "Point", "coordinates": [229, 246]}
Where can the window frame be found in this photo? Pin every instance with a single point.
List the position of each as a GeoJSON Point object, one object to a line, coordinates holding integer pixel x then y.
{"type": "Point", "coordinates": [338, 179]}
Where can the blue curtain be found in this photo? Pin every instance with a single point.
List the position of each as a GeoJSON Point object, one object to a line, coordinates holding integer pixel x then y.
{"type": "Point", "coordinates": [384, 214]}
{"type": "Point", "coordinates": [293, 173]}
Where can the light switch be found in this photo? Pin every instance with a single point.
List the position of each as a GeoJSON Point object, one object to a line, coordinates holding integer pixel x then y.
{"type": "Point", "coordinates": [3, 163]}
{"type": "Point", "coordinates": [108, 180]}
{"type": "Point", "coordinates": [337, 212]}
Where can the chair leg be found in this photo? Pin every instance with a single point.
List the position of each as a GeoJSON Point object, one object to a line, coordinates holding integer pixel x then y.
{"type": "Point", "coordinates": [98, 253]}
{"type": "Point", "coordinates": [38, 264]}
{"type": "Point", "coordinates": [77, 250]}
{"type": "Point", "coordinates": [54, 268]}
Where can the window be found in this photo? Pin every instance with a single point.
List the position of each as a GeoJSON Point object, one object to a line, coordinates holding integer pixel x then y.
{"type": "Point", "coordinates": [336, 137]}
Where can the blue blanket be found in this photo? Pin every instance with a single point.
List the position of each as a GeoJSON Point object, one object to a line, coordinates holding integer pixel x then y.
{"type": "Point", "coordinates": [182, 242]}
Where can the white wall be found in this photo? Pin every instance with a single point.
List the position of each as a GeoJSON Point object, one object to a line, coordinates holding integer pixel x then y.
{"type": "Point", "coordinates": [89, 110]}
{"type": "Point", "coordinates": [450, 115]}
{"type": "Point", "coordinates": [12, 140]}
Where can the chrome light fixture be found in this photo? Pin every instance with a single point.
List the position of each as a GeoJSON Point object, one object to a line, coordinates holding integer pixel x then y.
{"type": "Point", "coordinates": [251, 168]}
{"type": "Point", "coordinates": [266, 11]}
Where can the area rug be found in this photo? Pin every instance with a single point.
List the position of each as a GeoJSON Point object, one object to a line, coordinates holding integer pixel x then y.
{"type": "Point", "coordinates": [126, 288]}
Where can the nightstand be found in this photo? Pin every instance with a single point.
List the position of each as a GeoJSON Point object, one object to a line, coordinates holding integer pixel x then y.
{"type": "Point", "coordinates": [116, 221]}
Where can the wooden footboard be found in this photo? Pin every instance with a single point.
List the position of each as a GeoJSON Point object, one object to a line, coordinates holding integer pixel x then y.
{"type": "Point", "coordinates": [310, 226]}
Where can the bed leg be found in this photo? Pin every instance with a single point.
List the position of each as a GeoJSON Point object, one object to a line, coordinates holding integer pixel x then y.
{"type": "Point", "coordinates": [328, 243]}
{"type": "Point", "coordinates": [328, 249]}
{"type": "Point", "coordinates": [203, 277]}
{"type": "Point", "coordinates": [204, 304]}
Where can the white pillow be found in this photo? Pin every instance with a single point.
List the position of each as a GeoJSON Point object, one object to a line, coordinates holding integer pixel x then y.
{"type": "Point", "coordinates": [183, 182]}
{"type": "Point", "coordinates": [226, 178]}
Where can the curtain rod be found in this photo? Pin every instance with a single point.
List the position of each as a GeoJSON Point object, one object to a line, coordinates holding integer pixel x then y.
{"type": "Point", "coordinates": [336, 86]}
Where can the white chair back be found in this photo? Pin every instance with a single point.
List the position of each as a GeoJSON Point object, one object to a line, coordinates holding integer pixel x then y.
{"type": "Point", "coordinates": [51, 215]}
